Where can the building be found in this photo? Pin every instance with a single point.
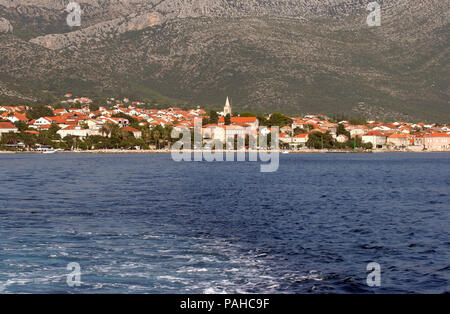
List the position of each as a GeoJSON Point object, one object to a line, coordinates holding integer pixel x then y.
{"type": "Point", "coordinates": [251, 122]}
{"type": "Point", "coordinates": [121, 122]}
{"type": "Point", "coordinates": [285, 138]}
{"type": "Point", "coordinates": [341, 138]}
{"type": "Point", "coordinates": [213, 132]}
{"type": "Point", "coordinates": [236, 131]}
{"type": "Point", "coordinates": [300, 140]}
{"type": "Point", "coordinates": [327, 126]}
{"type": "Point", "coordinates": [41, 121]}
{"type": "Point", "coordinates": [136, 133]}
{"type": "Point", "coordinates": [77, 131]}
{"type": "Point", "coordinates": [437, 141]}
{"type": "Point", "coordinates": [14, 117]}
{"type": "Point", "coordinates": [227, 108]}
{"type": "Point", "coordinates": [357, 130]}
{"type": "Point", "coordinates": [398, 139]}
{"type": "Point", "coordinates": [377, 139]}
{"type": "Point", "coordinates": [6, 127]}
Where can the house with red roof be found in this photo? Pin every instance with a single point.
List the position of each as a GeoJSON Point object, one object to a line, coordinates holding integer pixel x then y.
{"type": "Point", "coordinates": [285, 138]}
{"type": "Point", "coordinates": [213, 132]}
{"type": "Point", "coordinates": [12, 109]}
{"type": "Point", "coordinates": [377, 139]}
{"type": "Point", "coordinates": [32, 132]}
{"type": "Point", "coordinates": [44, 127]}
{"type": "Point", "coordinates": [59, 111]}
{"type": "Point", "coordinates": [136, 133]}
{"type": "Point", "coordinates": [13, 117]}
{"type": "Point", "coordinates": [41, 121]}
{"type": "Point", "coordinates": [341, 138]}
{"type": "Point", "coordinates": [437, 141]}
{"type": "Point", "coordinates": [357, 130]}
{"type": "Point", "coordinates": [76, 130]}
{"type": "Point", "coordinates": [300, 139]}
{"type": "Point", "coordinates": [328, 126]}
{"type": "Point", "coordinates": [121, 122]}
{"type": "Point", "coordinates": [6, 127]}
{"type": "Point", "coordinates": [398, 140]}
{"type": "Point", "coordinates": [252, 122]}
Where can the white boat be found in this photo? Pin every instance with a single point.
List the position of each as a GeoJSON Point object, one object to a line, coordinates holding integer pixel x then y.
{"type": "Point", "coordinates": [49, 152]}
{"type": "Point", "coordinates": [285, 152]}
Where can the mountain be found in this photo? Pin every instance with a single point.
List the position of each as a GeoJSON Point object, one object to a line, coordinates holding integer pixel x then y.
{"type": "Point", "coordinates": [303, 56]}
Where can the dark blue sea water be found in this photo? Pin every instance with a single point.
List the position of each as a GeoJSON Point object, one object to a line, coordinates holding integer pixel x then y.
{"type": "Point", "coordinates": [145, 224]}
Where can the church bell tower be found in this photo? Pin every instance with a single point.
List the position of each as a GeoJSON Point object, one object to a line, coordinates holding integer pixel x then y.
{"type": "Point", "coordinates": [227, 108]}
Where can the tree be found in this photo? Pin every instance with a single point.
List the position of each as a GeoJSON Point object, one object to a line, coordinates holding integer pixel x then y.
{"type": "Point", "coordinates": [94, 107]}
{"type": "Point", "coordinates": [21, 125]}
{"type": "Point", "coordinates": [227, 119]}
{"type": "Point", "coordinates": [262, 120]}
{"type": "Point", "coordinates": [90, 141]}
{"type": "Point", "coordinates": [319, 140]}
{"type": "Point", "coordinates": [368, 145]}
{"type": "Point", "coordinates": [279, 119]}
{"type": "Point", "coordinates": [298, 131]}
{"type": "Point", "coordinates": [167, 135]}
{"type": "Point", "coordinates": [9, 138]}
{"type": "Point", "coordinates": [124, 116]}
{"type": "Point", "coordinates": [39, 112]}
{"type": "Point", "coordinates": [106, 129]}
{"type": "Point", "coordinates": [213, 117]}
{"type": "Point", "coordinates": [54, 128]}
{"type": "Point", "coordinates": [156, 136]}
{"type": "Point", "coordinates": [84, 125]}
{"type": "Point", "coordinates": [29, 140]}
{"type": "Point", "coordinates": [83, 145]}
{"type": "Point", "coordinates": [115, 131]}
{"type": "Point", "coordinates": [357, 121]}
{"type": "Point", "coordinates": [341, 130]}
{"type": "Point", "coordinates": [69, 141]}
{"type": "Point", "coordinates": [247, 114]}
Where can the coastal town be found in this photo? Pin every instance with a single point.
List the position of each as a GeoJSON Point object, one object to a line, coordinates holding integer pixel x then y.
{"type": "Point", "coordinates": [77, 124]}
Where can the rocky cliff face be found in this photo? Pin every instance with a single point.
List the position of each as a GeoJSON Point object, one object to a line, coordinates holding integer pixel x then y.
{"type": "Point", "coordinates": [5, 26]}
{"type": "Point", "coordinates": [102, 19]}
{"type": "Point", "coordinates": [198, 7]}
{"type": "Point", "coordinates": [98, 32]}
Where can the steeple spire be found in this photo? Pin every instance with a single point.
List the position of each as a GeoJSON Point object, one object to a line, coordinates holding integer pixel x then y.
{"type": "Point", "coordinates": [227, 108]}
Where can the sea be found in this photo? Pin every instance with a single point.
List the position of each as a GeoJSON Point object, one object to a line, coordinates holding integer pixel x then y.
{"type": "Point", "coordinates": [143, 223]}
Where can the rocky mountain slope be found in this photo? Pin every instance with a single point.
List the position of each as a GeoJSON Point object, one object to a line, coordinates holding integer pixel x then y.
{"type": "Point", "coordinates": [295, 56]}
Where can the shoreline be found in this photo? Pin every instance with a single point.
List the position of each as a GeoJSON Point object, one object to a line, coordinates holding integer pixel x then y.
{"type": "Point", "coordinates": [306, 151]}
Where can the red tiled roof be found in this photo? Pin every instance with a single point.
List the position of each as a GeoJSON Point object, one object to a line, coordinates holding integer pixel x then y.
{"type": "Point", "coordinates": [398, 135]}
{"type": "Point", "coordinates": [130, 129]}
{"type": "Point", "coordinates": [57, 119]}
{"type": "Point", "coordinates": [32, 132]}
{"type": "Point", "coordinates": [375, 133]}
{"type": "Point", "coordinates": [438, 135]}
{"type": "Point", "coordinates": [7, 125]}
{"type": "Point", "coordinates": [21, 116]}
{"type": "Point", "coordinates": [239, 119]}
